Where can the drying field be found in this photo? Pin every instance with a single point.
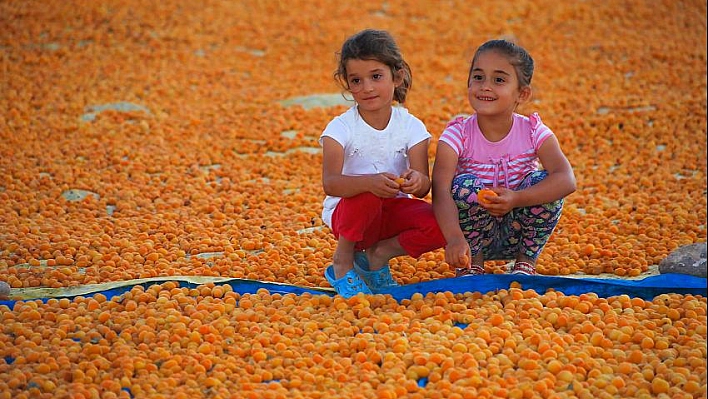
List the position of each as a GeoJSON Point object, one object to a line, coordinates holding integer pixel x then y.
{"type": "Point", "coordinates": [152, 139]}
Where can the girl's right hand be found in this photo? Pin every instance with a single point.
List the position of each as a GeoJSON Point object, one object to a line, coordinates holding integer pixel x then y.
{"type": "Point", "coordinates": [384, 185]}
{"type": "Point", "coordinates": [501, 204]}
{"type": "Point", "coordinates": [457, 253]}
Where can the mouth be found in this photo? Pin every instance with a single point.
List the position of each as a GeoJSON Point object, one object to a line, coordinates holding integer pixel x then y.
{"type": "Point", "coordinates": [484, 98]}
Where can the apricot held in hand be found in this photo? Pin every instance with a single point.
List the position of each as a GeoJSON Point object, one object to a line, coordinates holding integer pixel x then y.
{"type": "Point", "coordinates": [484, 195]}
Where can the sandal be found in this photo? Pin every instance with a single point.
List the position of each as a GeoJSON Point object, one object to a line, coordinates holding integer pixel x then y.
{"type": "Point", "coordinates": [376, 280]}
{"type": "Point", "coordinates": [524, 268]}
{"type": "Point", "coordinates": [349, 285]}
{"type": "Point", "coordinates": [474, 270]}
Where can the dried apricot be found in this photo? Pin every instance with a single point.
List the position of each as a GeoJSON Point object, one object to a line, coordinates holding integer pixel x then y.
{"type": "Point", "coordinates": [484, 195]}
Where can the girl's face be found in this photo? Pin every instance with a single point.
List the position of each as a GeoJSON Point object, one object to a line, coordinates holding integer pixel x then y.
{"type": "Point", "coordinates": [371, 83]}
{"type": "Point", "coordinates": [493, 86]}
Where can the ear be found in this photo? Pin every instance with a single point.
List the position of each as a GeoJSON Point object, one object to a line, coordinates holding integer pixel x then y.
{"type": "Point", "coordinates": [525, 94]}
{"type": "Point", "coordinates": [397, 77]}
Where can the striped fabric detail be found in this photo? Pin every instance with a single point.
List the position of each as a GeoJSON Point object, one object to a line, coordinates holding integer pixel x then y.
{"type": "Point", "coordinates": [512, 161]}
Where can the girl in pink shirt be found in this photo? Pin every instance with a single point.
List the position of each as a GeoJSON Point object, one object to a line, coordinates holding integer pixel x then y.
{"type": "Point", "coordinates": [497, 148]}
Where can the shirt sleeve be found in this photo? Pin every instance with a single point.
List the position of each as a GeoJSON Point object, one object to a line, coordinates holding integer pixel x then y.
{"type": "Point", "coordinates": [417, 131]}
{"type": "Point", "coordinates": [539, 131]}
{"type": "Point", "coordinates": [337, 130]}
{"type": "Point", "coordinates": [452, 135]}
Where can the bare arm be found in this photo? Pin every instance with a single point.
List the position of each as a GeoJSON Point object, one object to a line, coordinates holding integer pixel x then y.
{"type": "Point", "coordinates": [417, 177]}
{"type": "Point", "coordinates": [444, 206]}
{"type": "Point", "coordinates": [559, 183]}
{"type": "Point", "coordinates": [336, 184]}
{"type": "Point", "coordinates": [561, 179]}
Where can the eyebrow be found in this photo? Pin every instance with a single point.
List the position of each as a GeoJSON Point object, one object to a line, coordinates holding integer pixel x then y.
{"type": "Point", "coordinates": [377, 70]}
{"type": "Point", "coordinates": [495, 71]}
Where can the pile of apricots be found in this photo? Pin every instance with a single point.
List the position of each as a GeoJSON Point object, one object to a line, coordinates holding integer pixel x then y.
{"type": "Point", "coordinates": [167, 341]}
{"type": "Point", "coordinates": [152, 139]}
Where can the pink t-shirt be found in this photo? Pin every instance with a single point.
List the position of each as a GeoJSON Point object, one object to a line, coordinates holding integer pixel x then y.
{"type": "Point", "coordinates": [505, 162]}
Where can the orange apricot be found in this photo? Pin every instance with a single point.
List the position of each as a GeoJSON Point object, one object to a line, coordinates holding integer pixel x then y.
{"type": "Point", "coordinates": [484, 195]}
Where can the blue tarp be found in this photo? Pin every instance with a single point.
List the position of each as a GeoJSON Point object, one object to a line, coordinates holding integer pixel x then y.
{"type": "Point", "coordinates": [646, 288]}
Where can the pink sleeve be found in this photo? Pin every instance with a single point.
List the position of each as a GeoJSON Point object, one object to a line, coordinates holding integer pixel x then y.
{"type": "Point", "coordinates": [539, 131]}
{"type": "Point", "coordinates": [452, 135]}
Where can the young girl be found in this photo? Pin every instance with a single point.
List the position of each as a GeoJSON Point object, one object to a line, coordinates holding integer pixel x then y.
{"type": "Point", "coordinates": [498, 149]}
{"type": "Point", "coordinates": [375, 160]}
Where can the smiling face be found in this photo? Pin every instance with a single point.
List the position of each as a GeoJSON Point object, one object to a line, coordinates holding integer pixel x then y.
{"type": "Point", "coordinates": [493, 87]}
{"type": "Point", "coordinates": [372, 84]}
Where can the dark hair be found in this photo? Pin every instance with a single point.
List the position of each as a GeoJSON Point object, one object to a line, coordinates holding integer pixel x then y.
{"type": "Point", "coordinates": [378, 45]}
{"type": "Point", "coordinates": [519, 58]}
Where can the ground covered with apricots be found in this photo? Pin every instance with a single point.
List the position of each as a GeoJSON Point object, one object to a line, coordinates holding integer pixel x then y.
{"type": "Point", "coordinates": [158, 141]}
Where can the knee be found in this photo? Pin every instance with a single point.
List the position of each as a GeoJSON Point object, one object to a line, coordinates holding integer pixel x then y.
{"type": "Point", "coordinates": [544, 214]}
{"type": "Point", "coordinates": [466, 179]}
{"type": "Point", "coordinates": [464, 185]}
{"type": "Point", "coordinates": [533, 178]}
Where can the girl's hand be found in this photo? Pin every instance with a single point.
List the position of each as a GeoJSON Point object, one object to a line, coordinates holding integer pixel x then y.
{"type": "Point", "coordinates": [412, 181]}
{"type": "Point", "coordinates": [457, 253]}
{"type": "Point", "coordinates": [384, 185]}
{"type": "Point", "coordinates": [502, 204]}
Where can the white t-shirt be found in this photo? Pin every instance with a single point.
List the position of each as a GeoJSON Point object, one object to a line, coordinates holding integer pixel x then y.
{"type": "Point", "coordinates": [369, 151]}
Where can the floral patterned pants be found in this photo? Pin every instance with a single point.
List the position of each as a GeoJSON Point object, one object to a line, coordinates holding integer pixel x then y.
{"type": "Point", "coordinates": [521, 231]}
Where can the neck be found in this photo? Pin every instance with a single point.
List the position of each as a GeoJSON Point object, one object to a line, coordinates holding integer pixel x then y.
{"type": "Point", "coordinates": [377, 119]}
{"type": "Point", "coordinates": [495, 128]}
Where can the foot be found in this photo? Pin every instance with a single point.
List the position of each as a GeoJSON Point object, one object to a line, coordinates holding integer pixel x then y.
{"type": "Point", "coordinates": [348, 285]}
{"type": "Point", "coordinates": [376, 280]}
{"type": "Point", "coordinates": [342, 263]}
{"type": "Point", "coordinates": [383, 251]}
{"type": "Point", "coordinates": [525, 268]}
{"type": "Point", "coordinates": [473, 270]}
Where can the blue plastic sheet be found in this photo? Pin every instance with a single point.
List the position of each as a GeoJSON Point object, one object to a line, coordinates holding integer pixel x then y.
{"type": "Point", "coordinates": [646, 288]}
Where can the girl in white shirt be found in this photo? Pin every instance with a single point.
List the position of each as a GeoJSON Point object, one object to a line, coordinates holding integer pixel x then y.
{"type": "Point", "coordinates": [375, 170]}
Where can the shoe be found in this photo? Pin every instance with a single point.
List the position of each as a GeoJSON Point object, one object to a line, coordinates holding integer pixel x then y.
{"type": "Point", "coordinates": [349, 285]}
{"type": "Point", "coordinates": [376, 280]}
{"type": "Point", "coordinates": [474, 270]}
{"type": "Point", "coordinates": [524, 268]}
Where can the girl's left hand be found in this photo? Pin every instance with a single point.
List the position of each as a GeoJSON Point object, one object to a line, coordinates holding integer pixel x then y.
{"type": "Point", "coordinates": [502, 204]}
{"type": "Point", "coordinates": [413, 181]}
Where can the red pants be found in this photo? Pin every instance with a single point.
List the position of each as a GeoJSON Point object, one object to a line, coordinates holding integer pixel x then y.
{"type": "Point", "coordinates": [367, 219]}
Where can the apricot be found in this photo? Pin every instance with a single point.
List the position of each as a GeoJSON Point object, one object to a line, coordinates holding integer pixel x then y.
{"type": "Point", "coordinates": [174, 157]}
{"type": "Point", "coordinates": [484, 195]}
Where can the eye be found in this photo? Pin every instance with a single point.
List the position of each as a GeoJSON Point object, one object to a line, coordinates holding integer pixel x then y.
{"type": "Point", "coordinates": [477, 77]}
{"type": "Point", "coordinates": [354, 81]}
{"type": "Point", "coordinates": [499, 80]}
{"type": "Point", "coordinates": [377, 76]}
